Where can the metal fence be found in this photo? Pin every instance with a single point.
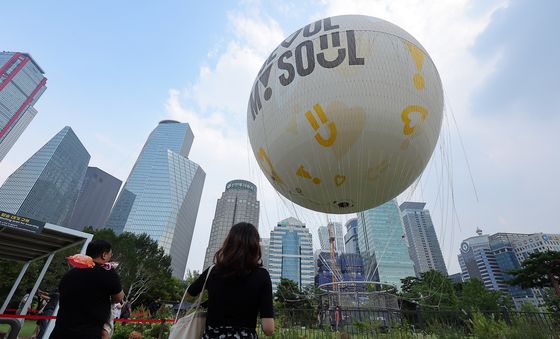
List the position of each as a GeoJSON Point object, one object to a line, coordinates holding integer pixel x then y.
{"type": "Point", "coordinates": [363, 323]}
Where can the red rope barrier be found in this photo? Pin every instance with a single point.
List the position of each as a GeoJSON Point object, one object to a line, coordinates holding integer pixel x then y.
{"type": "Point", "coordinates": [122, 320]}
{"type": "Point", "coordinates": [18, 316]}
{"type": "Point", "coordinates": [14, 310]}
{"type": "Point", "coordinates": [143, 320]}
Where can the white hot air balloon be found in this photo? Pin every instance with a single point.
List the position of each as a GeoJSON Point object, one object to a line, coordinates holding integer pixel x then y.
{"type": "Point", "coordinates": [345, 113]}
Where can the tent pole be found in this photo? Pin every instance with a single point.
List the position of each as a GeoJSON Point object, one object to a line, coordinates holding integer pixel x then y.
{"type": "Point", "coordinates": [14, 287]}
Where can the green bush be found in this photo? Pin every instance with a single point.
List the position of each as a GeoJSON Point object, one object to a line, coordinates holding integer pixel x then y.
{"type": "Point", "coordinates": [524, 327]}
{"type": "Point", "coordinates": [148, 330]}
{"type": "Point", "coordinates": [442, 330]}
{"type": "Point", "coordinates": [488, 327]}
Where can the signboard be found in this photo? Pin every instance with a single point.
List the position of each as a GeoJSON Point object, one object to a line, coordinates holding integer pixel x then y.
{"type": "Point", "coordinates": [21, 223]}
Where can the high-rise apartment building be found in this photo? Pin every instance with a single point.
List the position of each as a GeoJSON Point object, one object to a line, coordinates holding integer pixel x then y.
{"type": "Point", "coordinates": [324, 237]}
{"type": "Point", "coordinates": [96, 198]}
{"type": "Point", "coordinates": [383, 246]}
{"type": "Point", "coordinates": [351, 237]}
{"type": "Point", "coordinates": [238, 204]}
{"type": "Point", "coordinates": [46, 186]}
{"type": "Point", "coordinates": [162, 193]}
{"type": "Point", "coordinates": [21, 84]}
{"type": "Point", "coordinates": [423, 243]}
{"type": "Point", "coordinates": [291, 253]}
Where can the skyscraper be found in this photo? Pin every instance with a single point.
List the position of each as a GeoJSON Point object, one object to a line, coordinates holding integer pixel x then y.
{"type": "Point", "coordinates": [423, 243]}
{"type": "Point", "coordinates": [238, 203]}
{"type": "Point", "coordinates": [162, 193]}
{"type": "Point", "coordinates": [21, 84]}
{"type": "Point", "coordinates": [323, 232]}
{"type": "Point", "coordinates": [96, 198]}
{"type": "Point", "coordinates": [351, 237]}
{"type": "Point", "coordinates": [47, 185]}
{"type": "Point", "coordinates": [265, 249]}
{"type": "Point", "coordinates": [383, 245]}
{"type": "Point", "coordinates": [291, 253]}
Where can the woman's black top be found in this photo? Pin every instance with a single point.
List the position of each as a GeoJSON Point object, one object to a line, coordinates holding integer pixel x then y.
{"type": "Point", "coordinates": [236, 301]}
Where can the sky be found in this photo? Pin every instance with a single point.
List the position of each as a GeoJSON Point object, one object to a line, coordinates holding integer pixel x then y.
{"type": "Point", "coordinates": [116, 68]}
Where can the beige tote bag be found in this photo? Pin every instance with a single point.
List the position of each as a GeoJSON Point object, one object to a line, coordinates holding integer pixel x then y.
{"type": "Point", "coordinates": [193, 324]}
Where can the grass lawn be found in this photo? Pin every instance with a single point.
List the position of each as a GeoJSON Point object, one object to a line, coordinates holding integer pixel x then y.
{"type": "Point", "coordinates": [26, 331]}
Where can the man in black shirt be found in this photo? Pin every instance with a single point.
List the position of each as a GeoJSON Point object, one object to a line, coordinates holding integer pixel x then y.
{"type": "Point", "coordinates": [86, 295]}
{"type": "Point", "coordinates": [154, 307]}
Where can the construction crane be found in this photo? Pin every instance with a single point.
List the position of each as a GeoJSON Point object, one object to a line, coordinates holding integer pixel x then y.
{"type": "Point", "coordinates": [332, 238]}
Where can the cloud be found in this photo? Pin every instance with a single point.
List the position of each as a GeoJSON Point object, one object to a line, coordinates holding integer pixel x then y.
{"type": "Point", "coordinates": [226, 86]}
{"type": "Point", "coordinates": [523, 36]}
{"type": "Point", "coordinates": [221, 88]}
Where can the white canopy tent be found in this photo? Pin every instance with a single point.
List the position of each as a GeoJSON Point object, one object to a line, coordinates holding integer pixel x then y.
{"type": "Point", "coordinates": [26, 240]}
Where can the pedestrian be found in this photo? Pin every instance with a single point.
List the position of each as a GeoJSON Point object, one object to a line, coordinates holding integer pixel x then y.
{"type": "Point", "coordinates": [23, 301]}
{"type": "Point", "coordinates": [116, 309]}
{"type": "Point", "coordinates": [239, 288]}
{"type": "Point", "coordinates": [337, 317]}
{"type": "Point", "coordinates": [86, 295]}
{"type": "Point", "coordinates": [51, 300]}
{"type": "Point", "coordinates": [154, 307]}
{"type": "Point", "coordinates": [126, 309]}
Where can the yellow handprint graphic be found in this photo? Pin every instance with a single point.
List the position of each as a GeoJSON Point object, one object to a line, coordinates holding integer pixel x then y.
{"type": "Point", "coordinates": [329, 141]}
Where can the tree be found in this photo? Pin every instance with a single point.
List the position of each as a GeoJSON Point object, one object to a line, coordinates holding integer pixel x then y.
{"type": "Point", "coordinates": [9, 271]}
{"type": "Point", "coordinates": [288, 295]}
{"type": "Point", "coordinates": [528, 306]}
{"type": "Point", "coordinates": [541, 269]}
{"type": "Point", "coordinates": [432, 289]}
{"type": "Point", "coordinates": [294, 306]}
{"type": "Point", "coordinates": [144, 268]}
{"type": "Point", "coordinates": [191, 276]}
{"type": "Point", "coordinates": [551, 301]}
{"type": "Point", "coordinates": [473, 296]}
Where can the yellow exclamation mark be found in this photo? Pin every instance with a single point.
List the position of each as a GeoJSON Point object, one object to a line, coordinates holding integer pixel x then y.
{"type": "Point", "coordinates": [418, 57]}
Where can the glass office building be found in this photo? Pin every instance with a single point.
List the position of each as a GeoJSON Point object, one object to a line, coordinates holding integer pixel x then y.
{"type": "Point", "coordinates": [383, 245]}
{"type": "Point", "coordinates": [47, 185]}
{"type": "Point", "coordinates": [291, 253]}
{"type": "Point", "coordinates": [162, 193]}
{"type": "Point", "coordinates": [423, 243]}
{"type": "Point", "coordinates": [96, 198]}
{"type": "Point", "coordinates": [351, 237]}
{"type": "Point", "coordinates": [238, 203]}
{"type": "Point", "coordinates": [489, 258]}
{"type": "Point", "coordinates": [21, 84]}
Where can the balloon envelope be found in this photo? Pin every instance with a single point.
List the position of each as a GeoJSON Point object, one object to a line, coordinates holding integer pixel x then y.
{"type": "Point", "coordinates": [345, 113]}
